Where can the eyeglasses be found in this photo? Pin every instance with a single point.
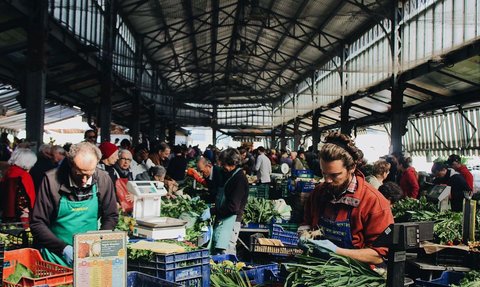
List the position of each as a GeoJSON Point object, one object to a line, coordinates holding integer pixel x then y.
{"type": "Point", "coordinates": [125, 159]}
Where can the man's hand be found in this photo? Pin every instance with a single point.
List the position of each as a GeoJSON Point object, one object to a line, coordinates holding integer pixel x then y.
{"type": "Point", "coordinates": [68, 255]}
{"type": "Point", "coordinates": [325, 245]}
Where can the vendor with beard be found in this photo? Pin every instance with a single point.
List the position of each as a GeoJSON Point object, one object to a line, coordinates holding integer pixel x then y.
{"type": "Point", "coordinates": [350, 211]}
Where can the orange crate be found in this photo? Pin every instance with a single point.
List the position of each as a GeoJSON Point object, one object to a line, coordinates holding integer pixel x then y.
{"type": "Point", "coordinates": [48, 273]}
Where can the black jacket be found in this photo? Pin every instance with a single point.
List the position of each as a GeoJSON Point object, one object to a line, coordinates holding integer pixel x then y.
{"type": "Point", "coordinates": [236, 196]}
{"type": "Point", "coordinates": [458, 184]}
{"type": "Point", "coordinates": [55, 183]}
{"type": "Point", "coordinates": [38, 171]}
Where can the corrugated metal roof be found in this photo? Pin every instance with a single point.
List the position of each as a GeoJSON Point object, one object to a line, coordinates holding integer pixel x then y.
{"type": "Point", "coordinates": [15, 114]}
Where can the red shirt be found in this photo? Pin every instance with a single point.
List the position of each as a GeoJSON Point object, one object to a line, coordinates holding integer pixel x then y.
{"type": "Point", "coordinates": [370, 216]}
{"type": "Point", "coordinates": [409, 183]}
{"type": "Point", "coordinates": [463, 170]}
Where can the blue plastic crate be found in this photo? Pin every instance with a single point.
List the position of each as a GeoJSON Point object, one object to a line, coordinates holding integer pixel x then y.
{"type": "Point", "coordinates": [305, 186]}
{"type": "Point", "coordinates": [257, 274]}
{"type": "Point", "coordinates": [203, 281]}
{"type": "Point", "coordinates": [177, 257]}
{"type": "Point", "coordinates": [188, 267]}
{"type": "Point", "coordinates": [256, 226]}
{"type": "Point", "coordinates": [448, 278]}
{"type": "Point", "coordinates": [137, 279]}
{"type": "Point", "coordinates": [286, 237]}
{"type": "Point", "coordinates": [306, 173]}
{"type": "Point", "coordinates": [184, 276]}
{"type": "Point", "coordinates": [259, 191]}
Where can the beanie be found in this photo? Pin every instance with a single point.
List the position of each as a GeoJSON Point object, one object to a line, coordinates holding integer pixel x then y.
{"type": "Point", "coordinates": [107, 149]}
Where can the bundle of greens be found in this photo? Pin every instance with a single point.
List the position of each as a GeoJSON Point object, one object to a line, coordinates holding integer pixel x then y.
{"type": "Point", "coordinates": [448, 227]}
{"type": "Point", "coordinates": [471, 279]}
{"type": "Point", "coordinates": [410, 209]}
{"type": "Point", "coordinates": [20, 271]}
{"type": "Point", "coordinates": [222, 277]}
{"type": "Point", "coordinates": [259, 210]}
{"type": "Point", "coordinates": [190, 210]}
{"type": "Point", "coordinates": [175, 207]}
{"type": "Point", "coordinates": [125, 223]}
{"type": "Point", "coordinates": [336, 271]}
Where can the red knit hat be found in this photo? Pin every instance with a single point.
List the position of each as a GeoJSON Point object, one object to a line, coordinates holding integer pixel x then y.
{"type": "Point", "coordinates": [107, 149]}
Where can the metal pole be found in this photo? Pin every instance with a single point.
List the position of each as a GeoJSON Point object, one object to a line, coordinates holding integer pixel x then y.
{"type": "Point", "coordinates": [36, 77]}
{"type": "Point", "coordinates": [106, 88]}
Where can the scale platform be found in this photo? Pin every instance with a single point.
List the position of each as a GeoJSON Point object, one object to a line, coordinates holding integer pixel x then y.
{"type": "Point", "coordinates": [160, 228]}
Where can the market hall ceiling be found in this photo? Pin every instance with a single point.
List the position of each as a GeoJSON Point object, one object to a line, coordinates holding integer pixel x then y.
{"type": "Point", "coordinates": [243, 51]}
{"type": "Point", "coordinates": [245, 56]}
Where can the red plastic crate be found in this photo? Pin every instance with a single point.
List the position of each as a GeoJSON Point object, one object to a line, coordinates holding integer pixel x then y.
{"type": "Point", "coordinates": [48, 273]}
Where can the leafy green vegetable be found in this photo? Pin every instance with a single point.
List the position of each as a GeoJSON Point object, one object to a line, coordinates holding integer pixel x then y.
{"type": "Point", "coordinates": [410, 209]}
{"type": "Point", "coordinates": [191, 208]}
{"type": "Point", "coordinates": [471, 279]}
{"type": "Point", "coordinates": [139, 254]}
{"type": "Point", "coordinates": [448, 227]}
{"type": "Point", "coordinates": [125, 223]}
{"type": "Point", "coordinates": [259, 210]}
{"type": "Point", "coordinates": [221, 277]}
{"type": "Point", "coordinates": [336, 271]}
{"type": "Point", "coordinates": [20, 271]}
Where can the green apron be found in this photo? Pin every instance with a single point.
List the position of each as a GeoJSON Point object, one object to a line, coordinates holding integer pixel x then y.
{"type": "Point", "coordinates": [223, 228]}
{"type": "Point", "coordinates": [73, 217]}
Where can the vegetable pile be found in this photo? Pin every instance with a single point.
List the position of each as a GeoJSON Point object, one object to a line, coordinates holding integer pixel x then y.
{"type": "Point", "coordinates": [189, 209]}
{"type": "Point", "coordinates": [228, 274]}
{"type": "Point", "coordinates": [336, 271]}
{"type": "Point", "coordinates": [259, 210]}
{"type": "Point", "coordinates": [448, 224]}
{"type": "Point", "coordinates": [471, 279]}
{"type": "Point", "coordinates": [125, 223]}
{"type": "Point", "coordinates": [410, 209]}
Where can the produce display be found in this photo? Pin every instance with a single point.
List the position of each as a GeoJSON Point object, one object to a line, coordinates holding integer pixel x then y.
{"type": "Point", "coordinates": [190, 210]}
{"type": "Point", "coordinates": [125, 223]}
{"type": "Point", "coordinates": [224, 276]}
{"type": "Point", "coordinates": [410, 209]}
{"type": "Point", "coordinates": [471, 279]}
{"type": "Point", "coordinates": [11, 235]}
{"type": "Point", "coordinates": [260, 210]}
{"type": "Point", "coordinates": [335, 271]}
{"type": "Point", "coordinates": [448, 224]}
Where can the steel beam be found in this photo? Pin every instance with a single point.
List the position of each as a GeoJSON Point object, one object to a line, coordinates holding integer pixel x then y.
{"type": "Point", "coordinates": [36, 77]}
{"type": "Point", "coordinates": [106, 88]}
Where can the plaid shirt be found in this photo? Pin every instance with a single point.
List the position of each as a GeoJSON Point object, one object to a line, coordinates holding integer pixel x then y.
{"type": "Point", "coordinates": [352, 187]}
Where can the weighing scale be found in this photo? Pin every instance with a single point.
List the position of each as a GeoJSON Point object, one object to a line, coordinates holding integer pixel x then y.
{"type": "Point", "coordinates": [440, 194]}
{"type": "Point", "coordinates": [399, 238]}
{"type": "Point", "coordinates": [147, 210]}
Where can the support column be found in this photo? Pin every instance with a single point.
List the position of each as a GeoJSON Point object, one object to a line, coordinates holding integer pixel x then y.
{"type": "Point", "coordinates": [137, 98]}
{"type": "Point", "coordinates": [398, 114]}
{"type": "Point", "coordinates": [214, 125]}
{"type": "Point", "coordinates": [153, 113]}
{"type": "Point", "coordinates": [273, 143]}
{"type": "Point", "coordinates": [36, 78]}
{"type": "Point", "coordinates": [315, 130]}
{"type": "Point", "coordinates": [296, 134]}
{"type": "Point", "coordinates": [346, 126]}
{"type": "Point", "coordinates": [283, 138]}
{"type": "Point", "coordinates": [153, 123]}
{"type": "Point", "coordinates": [171, 134]}
{"type": "Point", "coordinates": [136, 104]}
{"type": "Point", "coordinates": [106, 87]}
{"type": "Point", "coordinates": [162, 136]}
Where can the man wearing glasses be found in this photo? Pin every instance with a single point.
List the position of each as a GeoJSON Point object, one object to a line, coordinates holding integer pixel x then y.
{"type": "Point", "coordinates": [75, 198]}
